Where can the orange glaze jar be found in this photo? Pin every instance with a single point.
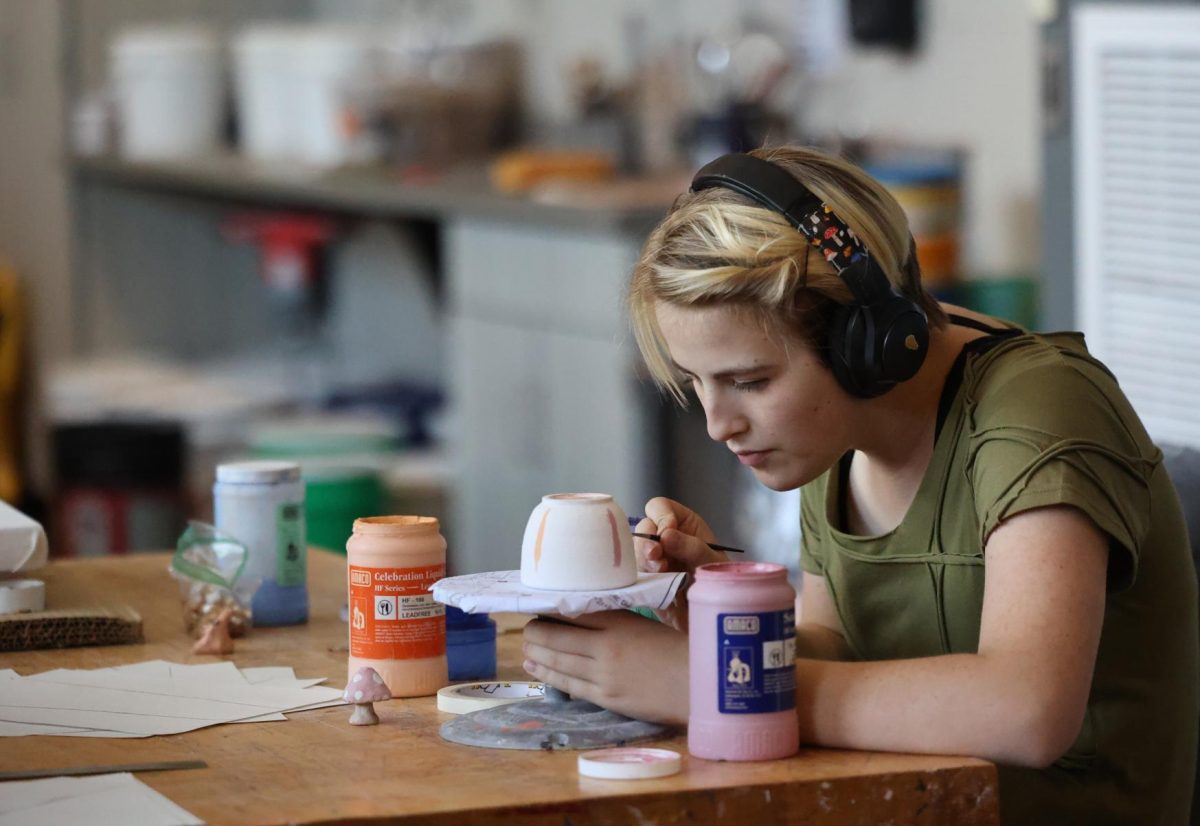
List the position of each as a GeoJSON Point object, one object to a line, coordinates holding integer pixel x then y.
{"type": "Point", "coordinates": [396, 627]}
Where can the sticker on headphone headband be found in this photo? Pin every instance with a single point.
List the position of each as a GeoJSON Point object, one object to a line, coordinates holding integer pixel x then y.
{"type": "Point", "coordinates": [837, 242]}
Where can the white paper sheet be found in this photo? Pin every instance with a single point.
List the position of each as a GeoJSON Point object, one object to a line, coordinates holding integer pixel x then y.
{"type": "Point", "coordinates": [153, 697]}
{"type": "Point", "coordinates": [503, 591]}
{"type": "Point", "coordinates": [95, 801]}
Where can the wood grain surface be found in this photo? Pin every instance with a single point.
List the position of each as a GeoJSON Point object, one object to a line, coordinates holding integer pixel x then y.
{"type": "Point", "coordinates": [316, 768]}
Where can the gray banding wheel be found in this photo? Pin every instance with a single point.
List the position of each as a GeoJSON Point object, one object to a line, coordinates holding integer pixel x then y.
{"type": "Point", "coordinates": [555, 722]}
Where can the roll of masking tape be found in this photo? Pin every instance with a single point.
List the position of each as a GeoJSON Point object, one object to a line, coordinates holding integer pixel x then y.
{"type": "Point", "coordinates": [460, 699]}
{"type": "Point", "coordinates": [19, 596]}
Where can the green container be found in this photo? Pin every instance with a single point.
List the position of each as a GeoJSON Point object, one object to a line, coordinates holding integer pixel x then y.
{"type": "Point", "coordinates": [334, 454]}
{"type": "Point", "coordinates": [1014, 299]}
{"type": "Point", "coordinates": [334, 498]}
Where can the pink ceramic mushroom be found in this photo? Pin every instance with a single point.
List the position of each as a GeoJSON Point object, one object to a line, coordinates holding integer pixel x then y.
{"type": "Point", "coordinates": [216, 638]}
{"type": "Point", "coordinates": [365, 687]}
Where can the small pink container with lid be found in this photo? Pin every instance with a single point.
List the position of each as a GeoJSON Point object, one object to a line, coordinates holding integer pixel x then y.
{"type": "Point", "coordinates": [741, 644]}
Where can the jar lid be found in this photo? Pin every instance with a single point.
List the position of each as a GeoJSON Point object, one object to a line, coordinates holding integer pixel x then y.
{"type": "Point", "coordinates": [458, 618]}
{"type": "Point", "coordinates": [629, 763]}
{"type": "Point", "coordinates": [741, 570]}
{"type": "Point", "coordinates": [395, 525]}
{"type": "Point", "coordinates": [259, 472]}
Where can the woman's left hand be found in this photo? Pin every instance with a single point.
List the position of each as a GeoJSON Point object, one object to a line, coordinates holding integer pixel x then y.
{"type": "Point", "coordinates": [618, 660]}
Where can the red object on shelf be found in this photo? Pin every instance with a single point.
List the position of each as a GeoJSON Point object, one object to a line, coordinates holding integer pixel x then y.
{"type": "Point", "coordinates": [291, 246]}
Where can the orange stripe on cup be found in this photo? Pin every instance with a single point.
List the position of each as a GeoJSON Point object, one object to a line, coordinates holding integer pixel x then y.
{"type": "Point", "coordinates": [616, 539]}
{"type": "Point", "coordinates": [537, 546]}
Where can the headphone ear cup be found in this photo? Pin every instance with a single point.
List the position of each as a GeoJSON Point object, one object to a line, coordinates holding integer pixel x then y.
{"type": "Point", "coordinates": [903, 340]}
{"type": "Point", "coordinates": [847, 350]}
{"type": "Point", "coordinates": [872, 348]}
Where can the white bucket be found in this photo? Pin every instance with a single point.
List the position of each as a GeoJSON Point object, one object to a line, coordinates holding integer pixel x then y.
{"type": "Point", "coordinates": [292, 87]}
{"type": "Point", "coordinates": [168, 92]}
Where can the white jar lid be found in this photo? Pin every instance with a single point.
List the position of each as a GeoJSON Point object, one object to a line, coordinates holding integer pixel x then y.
{"type": "Point", "coordinates": [260, 472]}
{"type": "Point", "coordinates": [629, 763]}
{"type": "Point", "coordinates": [18, 596]}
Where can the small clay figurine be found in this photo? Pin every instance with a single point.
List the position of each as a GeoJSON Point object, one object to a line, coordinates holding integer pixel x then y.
{"type": "Point", "coordinates": [365, 687]}
{"type": "Point", "coordinates": [216, 638]}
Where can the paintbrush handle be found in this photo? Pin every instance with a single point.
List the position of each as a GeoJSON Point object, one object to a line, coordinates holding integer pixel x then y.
{"type": "Point", "coordinates": [656, 538]}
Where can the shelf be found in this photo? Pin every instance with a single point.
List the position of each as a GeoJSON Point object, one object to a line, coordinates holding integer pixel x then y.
{"type": "Point", "coordinates": [627, 207]}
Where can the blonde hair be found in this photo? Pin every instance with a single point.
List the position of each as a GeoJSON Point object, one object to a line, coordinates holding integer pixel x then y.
{"type": "Point", "coordinates": [719, 247]}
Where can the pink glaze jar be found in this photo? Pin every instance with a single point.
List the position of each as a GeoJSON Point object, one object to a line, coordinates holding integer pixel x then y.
{"type": "Point", "coordinates": [742, 662]}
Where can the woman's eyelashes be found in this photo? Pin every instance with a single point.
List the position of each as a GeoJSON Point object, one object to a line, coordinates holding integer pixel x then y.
{"type": "Point", "coordinates": [689, 384]}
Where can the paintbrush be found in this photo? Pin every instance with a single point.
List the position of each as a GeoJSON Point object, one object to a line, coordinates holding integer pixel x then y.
{"type": "Point", "coordinates": [653, 537]}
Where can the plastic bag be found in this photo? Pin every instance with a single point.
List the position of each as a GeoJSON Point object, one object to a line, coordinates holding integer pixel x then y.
{"type": "Point", "coordinates": [208, 566]}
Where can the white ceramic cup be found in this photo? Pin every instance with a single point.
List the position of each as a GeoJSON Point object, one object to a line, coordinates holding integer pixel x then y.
{"type": "Point", "coordinates": [577, 542]}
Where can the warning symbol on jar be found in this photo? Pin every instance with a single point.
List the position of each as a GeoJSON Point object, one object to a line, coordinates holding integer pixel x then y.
{"type": "Point", "coordinates": [385, 608]}
{"type": "Point", "coordinates": [779, 653]}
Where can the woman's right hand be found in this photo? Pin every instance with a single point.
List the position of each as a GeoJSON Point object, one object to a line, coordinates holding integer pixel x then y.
{"type": "Point", "coordinates": [684, 539]}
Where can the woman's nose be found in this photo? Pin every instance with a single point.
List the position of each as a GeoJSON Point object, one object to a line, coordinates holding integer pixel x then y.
{"type": "Point", "coordinates": [723, 421]}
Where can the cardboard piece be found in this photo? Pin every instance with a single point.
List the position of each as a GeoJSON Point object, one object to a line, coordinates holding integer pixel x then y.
{"type": "Point", "coordinates": [70, 627]}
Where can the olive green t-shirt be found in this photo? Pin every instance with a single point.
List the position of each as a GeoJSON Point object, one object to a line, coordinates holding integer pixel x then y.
{"type": "Point", "coordinates": [1036, 422]}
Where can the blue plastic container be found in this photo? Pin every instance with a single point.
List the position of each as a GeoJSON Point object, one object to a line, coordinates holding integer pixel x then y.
{"type": "Point", "coordinates": [470, 645]}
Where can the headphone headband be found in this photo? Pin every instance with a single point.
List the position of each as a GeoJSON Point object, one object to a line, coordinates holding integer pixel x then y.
{"type": "Point", "coordinates": [760, 181]}
{"type": "Point", "coordinates": [770, 186]}
{"type": "Point", "coordinates": [882, 337]}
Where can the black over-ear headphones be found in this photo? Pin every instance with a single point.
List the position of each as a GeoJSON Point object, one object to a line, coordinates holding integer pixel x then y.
{"type": "Point", "coordinates": [880, 338]}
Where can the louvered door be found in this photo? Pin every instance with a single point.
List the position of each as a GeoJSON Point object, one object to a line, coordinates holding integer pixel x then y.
{"type": "Point", "coordinates": [1136, 84]}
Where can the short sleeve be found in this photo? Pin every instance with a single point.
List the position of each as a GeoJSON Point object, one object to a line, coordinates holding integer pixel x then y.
{"type": "Point", "coordinates": [1064, 434]}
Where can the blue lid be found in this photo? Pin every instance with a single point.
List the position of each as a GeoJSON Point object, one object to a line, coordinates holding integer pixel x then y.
{"type": "Point", "coordinates": [457, 618]}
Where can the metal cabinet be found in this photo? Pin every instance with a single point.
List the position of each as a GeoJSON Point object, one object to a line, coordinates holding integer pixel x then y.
{"type": "Point", "coordinates": [542, 379]}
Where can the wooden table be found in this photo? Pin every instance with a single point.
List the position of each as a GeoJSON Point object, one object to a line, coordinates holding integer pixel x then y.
{"type": "Point", "coordinates": [315, 768]}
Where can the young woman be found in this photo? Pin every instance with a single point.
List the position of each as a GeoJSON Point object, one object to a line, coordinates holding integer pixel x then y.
{"type": "Point", "coordinates": [995, 560]}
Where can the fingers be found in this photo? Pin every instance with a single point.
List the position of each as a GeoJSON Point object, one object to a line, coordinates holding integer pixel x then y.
{"type": "Point", "coordinates": [669, 514]}
{"type": "Point", "coordinates": [559, 636]}
{"type": "Point", "coordinates": [676, 525]}
{"type": "Point", "coordinates": [540, 661]}
{"type": "Point", "coordinates": [686, 549]}
{"type": "Point", "coordinates": [577, 658]}
{"type": "Point", "coordinates": [579, 689]}
{"type": "Point", "coordinates": [649, 553]}
{"type": "Point", "coordinates": [664, 512]}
